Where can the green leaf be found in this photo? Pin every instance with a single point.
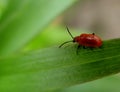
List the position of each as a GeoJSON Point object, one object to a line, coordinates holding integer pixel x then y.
{"type": "Point", "coordinates": [107, 84]}
{"type": "Point", "coordinates": [3, 5]}
{"type": "Point", "coordinates": [55, 68]}
{"type": "Point", "coordinates": [23, 20]}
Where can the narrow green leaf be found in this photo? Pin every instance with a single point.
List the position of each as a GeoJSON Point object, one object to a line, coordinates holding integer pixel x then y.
{"type": "Point", "coordinates": [55, 68]}
{"type": "Point", "coordinates": [23, 19]}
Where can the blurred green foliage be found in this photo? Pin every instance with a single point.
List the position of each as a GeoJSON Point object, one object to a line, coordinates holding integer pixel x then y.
{"type": "Point", "coordinates": [24, 19]}
{"type": "Point", "coordinates": [52, 35]}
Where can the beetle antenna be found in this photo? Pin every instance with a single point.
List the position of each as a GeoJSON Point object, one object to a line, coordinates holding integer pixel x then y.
{"type": "Point", "coordinates": [64, 43]}
{"type": "Point", "coordinates": [69, 32]}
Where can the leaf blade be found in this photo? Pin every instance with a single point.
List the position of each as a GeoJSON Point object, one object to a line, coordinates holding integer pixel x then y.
{"type": "Point", "coordinates": [61, 68]}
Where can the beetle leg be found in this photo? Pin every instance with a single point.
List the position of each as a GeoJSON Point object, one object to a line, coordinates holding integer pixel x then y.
{"type": "Point", "coordinates": [101, 47]}
{"type": "Point", "coordinates": [91, 48]}
{"type": "Point", "coordinates": [77, 49]}
{"type": "Point", "coordinates": [84, 47]}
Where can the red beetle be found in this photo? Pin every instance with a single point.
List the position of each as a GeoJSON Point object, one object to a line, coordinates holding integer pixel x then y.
{"type": "Point", "coordinates": [85, 40]}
